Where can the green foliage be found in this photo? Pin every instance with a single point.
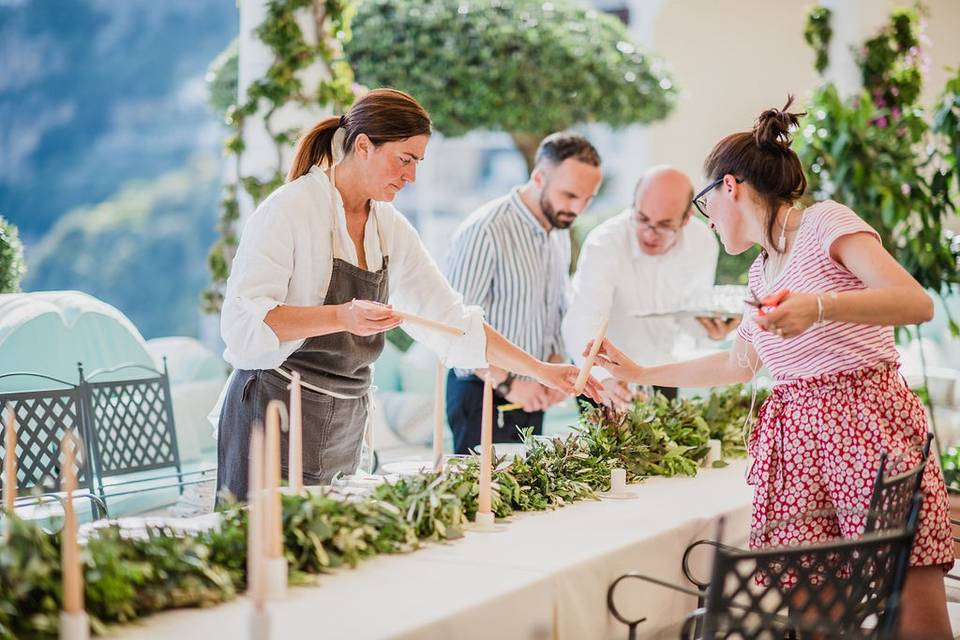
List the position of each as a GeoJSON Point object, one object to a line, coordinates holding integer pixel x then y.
{"type": "Point", "coordinates": [125, 577]}
{"type": "Point", "coordinates": [12, 266]}
{"type": "Point", "coordinates": [950, 462]}
{"type": "Point", "coordinates": [281, 85]}
{"type": "Point", "coordinates": [877, 154]}
{"type": "Point", "coordinates": [728, 413]}
{"type": "Point", "coordinates": [818, 34]}
{"type": "Point", "coordinates": [143, 245]}
{"type": "Point", "coordinates": [222, 76]}
{"type": "Point", "coordinates": [523, 66]}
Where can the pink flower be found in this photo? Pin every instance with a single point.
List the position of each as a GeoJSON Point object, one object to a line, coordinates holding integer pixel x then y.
{"type": "Point", "coordinates": [905, 189]}
{"type": "Point", "coordinates": [881, 122]}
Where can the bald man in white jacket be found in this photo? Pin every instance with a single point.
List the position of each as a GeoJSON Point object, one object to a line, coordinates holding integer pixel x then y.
{"type": "Point", "coordinates": [645, 261]}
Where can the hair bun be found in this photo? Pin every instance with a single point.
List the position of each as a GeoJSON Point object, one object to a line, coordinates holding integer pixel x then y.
{"type": "Point", "coordinates": [772, 129]}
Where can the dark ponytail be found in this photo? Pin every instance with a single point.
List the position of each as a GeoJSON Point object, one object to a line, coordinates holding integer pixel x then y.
{"type": "Point", "coordinates": [763, 158]}
{"type": "Point", "coordinates": [384, 115]}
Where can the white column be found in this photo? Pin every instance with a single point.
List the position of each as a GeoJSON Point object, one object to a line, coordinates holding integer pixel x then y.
{"type": "Point", "coordinates": [853, 21]}
{"type": "Point", "coordinates": [260, 156]}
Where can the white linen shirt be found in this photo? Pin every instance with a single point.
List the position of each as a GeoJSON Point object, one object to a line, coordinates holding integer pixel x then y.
{"type": "Point", "coordinates": [615, 279]}
{"type": "Point", "coordinates": [286, 257]}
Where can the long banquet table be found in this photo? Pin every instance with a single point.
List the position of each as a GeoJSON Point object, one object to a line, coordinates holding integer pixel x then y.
{"type": "Point", "coordinates": [544, 576]}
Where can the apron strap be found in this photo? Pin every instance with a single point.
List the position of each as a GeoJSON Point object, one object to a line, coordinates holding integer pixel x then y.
{"type": "Point", "coordinates": [368, 423]}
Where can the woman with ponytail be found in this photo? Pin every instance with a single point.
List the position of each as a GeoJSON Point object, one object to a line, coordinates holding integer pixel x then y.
{"type": "Point", "coordinates": [830, 297]}
{"type": "Point", "coordinates": [322, 264]}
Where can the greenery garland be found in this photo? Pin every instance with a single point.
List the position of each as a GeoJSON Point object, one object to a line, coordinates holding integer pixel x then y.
{"type": "Point", "coordinates": [130, 576]}
{"type": "Point", "coordinates": [279, 87]}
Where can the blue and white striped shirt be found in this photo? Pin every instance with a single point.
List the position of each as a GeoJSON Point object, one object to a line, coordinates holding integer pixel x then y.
{"type": "Point", "coordinates": [503, 261]}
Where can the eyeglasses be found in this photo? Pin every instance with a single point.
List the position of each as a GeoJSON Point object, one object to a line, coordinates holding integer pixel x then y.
{"type": "Point", "coordinates": [663, 231]}
{"type": "Point", "coordinates": [700, 200]}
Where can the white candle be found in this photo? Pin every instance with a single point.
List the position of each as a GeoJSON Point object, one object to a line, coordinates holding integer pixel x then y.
{"type": "Point", "coordinates": [439, 417]}
{"type": "Point", "coordinates": [295, 449]}
{"type": "Point", "coordinates": [715, 451]}
{"type": "Point", "coordinates": [10, 461]}
{"type": "Point", "coordinates": [69, 549]}
{"type": "Point", "coordinates": [273, 511]}
{"type": "Point", "coordinates": [255, 582]}
{"type": "Point", "coordinates": [486, 446]}
{"type": "Point", "coordinates": [618, 481]}
{"type": "Point", "coordinates": [588, 363]}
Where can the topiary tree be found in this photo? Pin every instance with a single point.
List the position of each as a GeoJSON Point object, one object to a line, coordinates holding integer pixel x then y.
{"type": "Point", "coordinates": [12, 266]}
{"type": "Point", "coordinates": [527, 67]}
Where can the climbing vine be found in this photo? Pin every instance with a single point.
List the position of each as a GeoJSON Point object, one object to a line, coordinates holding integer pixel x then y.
{"type": "Point", "coordinates": [280, 86]}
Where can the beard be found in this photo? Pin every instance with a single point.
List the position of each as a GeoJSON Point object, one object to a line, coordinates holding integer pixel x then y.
{"type": "Point", "coordinates": [557, 219]}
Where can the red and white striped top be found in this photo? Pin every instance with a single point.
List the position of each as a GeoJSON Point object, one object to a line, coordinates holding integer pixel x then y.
{"type": "Point", "coordinates": [832, 346]}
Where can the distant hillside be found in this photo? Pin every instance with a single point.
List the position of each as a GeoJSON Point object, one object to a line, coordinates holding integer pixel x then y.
{"type": "Point", "coordinates": [143, 250]}
{"type": "Point", "coordinates": [94, 93]}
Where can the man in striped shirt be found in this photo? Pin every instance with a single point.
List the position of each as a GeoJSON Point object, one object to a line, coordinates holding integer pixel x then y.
{"type": "Point", "coordinates": [512, 257]}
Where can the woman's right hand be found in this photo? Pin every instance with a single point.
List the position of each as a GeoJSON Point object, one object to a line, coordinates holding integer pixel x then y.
{"type": "Point", "coordinates": [616, 362]}
{"type": "Point", "coordinates": [367, 318]}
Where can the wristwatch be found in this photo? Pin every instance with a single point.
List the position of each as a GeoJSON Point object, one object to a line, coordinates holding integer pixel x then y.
{"type": "Point", "coordinates": [504, 387]}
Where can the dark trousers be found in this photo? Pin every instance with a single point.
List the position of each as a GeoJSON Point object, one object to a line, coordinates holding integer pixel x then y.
{"type": "Point", "coordinates": [669, 392]}
{"type": "Point", "coordinates": [465, 410]}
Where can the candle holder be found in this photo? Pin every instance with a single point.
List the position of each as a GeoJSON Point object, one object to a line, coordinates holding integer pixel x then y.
{"type": "Point", "coordinates": [485, 523]}
{"type": "Point", "coordinates": [275, 578]}
{"type": "Point", "coordinates": [74, 626]}
{"type": "Point", "coordinates": [618, 486]}
{"type": "Point", "coordinates": [259, 623]}
{"type": "Point", "coordinates": [714, 452]}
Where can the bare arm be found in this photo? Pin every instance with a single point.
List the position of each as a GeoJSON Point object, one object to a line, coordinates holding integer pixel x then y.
{"type": "Point", "coordinates": [360, 317]}
{"type": "Point", "coordinates": [503, 354]}
{"type": "Point", "coordinates": [736, 365]}
{"type": "Point", "coordinates": [892, 296]}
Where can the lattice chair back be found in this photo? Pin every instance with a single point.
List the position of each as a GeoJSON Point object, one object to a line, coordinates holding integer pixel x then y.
{"type": "Point", "coordinates": [842, 588]}
{"type": "Point", "coordinates": [131, 422]}
{"type": "Point", "coordinates": [43, 418]}
{"type": "Point", "coordinates": [894, 487]}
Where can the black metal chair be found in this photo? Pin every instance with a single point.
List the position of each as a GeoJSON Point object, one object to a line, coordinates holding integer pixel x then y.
{"type": "Point", "coordinates": [889, 509]}
{"type": "Point", "coordinates": [132, 430]}
{"type": "Point", "coordinates": [843, 588]}
{"type": "Point", "coordinates": [890, 500]}
{"type": "Point", "coordinates": [43, 418]}
{"type": "Point", "coordinates": [840, 588]}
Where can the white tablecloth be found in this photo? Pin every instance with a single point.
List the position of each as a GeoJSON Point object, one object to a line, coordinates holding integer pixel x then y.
{"type": "Point", "coordinates": [545, 575]}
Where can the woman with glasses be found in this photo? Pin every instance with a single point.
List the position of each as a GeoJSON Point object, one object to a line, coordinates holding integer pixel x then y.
{"type": "Point", "coordinates": [828, 297]}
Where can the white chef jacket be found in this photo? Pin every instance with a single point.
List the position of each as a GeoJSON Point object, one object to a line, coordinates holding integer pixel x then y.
{"type": "Point", "coordinates": [286, 257]}
{"type": "Point", "coordinates": [616, 280]}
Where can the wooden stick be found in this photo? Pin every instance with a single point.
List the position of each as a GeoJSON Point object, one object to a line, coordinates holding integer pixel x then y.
{"type": "Point", "coordinates": [256, 586]}
{"type": "Point", "coordinates": [588, 363]}
{"type": "Point", "coordinates": [10, 461]}
{"type": "Point", "coordinates": [295, 435]}
{"type": "Point", "coordinates": [439, 417]}
{"type": "Point", "coordinates": [486, 444]}
{"type": "Point", "coordinates": [274, 510]}
{"type": "Point", "coordinates": [432, 324]}
{"type": "Point", "coordinates": [69, 547]}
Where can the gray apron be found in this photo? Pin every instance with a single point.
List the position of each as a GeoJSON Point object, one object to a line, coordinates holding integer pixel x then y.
{"type": "Point", "coordinates": [336, 371]}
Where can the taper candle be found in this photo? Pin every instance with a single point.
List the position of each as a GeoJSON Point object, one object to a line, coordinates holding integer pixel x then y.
{"type": "Point", "coordinates": [588, 363]}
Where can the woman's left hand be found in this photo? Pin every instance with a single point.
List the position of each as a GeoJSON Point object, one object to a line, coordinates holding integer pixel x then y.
{"type": "Point", "coordinates": [796, 313]}
{"type": "Point", "coordinates": [562, 377]}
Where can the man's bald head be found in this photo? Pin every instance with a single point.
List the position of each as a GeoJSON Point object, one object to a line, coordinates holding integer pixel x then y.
{"type": "Point", "coordinates": [661, 203]}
